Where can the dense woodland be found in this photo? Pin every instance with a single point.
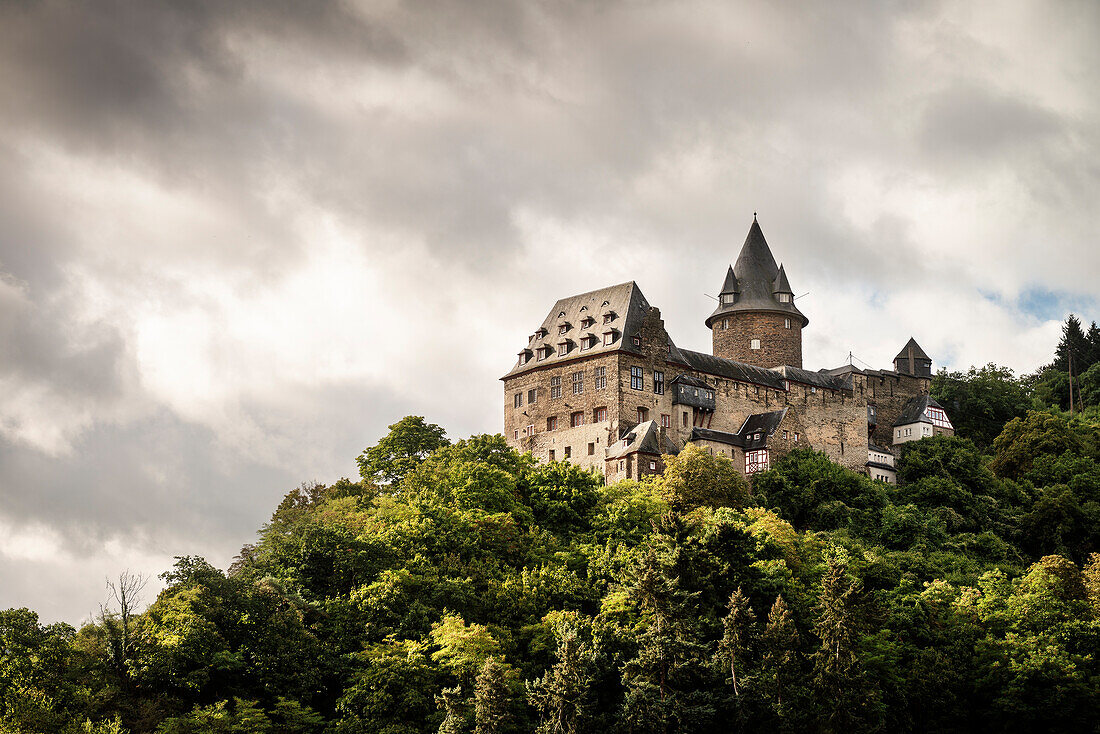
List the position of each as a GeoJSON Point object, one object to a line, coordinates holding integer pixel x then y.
{"type": "Point", "coordinates": [463, 587]}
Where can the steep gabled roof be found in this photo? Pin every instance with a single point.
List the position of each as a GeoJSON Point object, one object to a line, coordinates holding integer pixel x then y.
{"type": "Point", "coordinates": [729, 285]}
{"type": "Point", "coordinates": [913, 349]}
{"type": "Point", "coordinates": [781, 285]}
{"type": "Point", "coordinates": [915, 411]}
{"type": "Point", "coordinates": [762, 424]}
{"type": "Point", "coordinates": [624, 300]}
{"type": "Point", "coordinates": [756, 273]}
{"type": "Point", "coordinates": [644, 438]}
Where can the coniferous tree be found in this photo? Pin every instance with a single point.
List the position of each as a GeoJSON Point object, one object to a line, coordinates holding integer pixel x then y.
{"type": "Point", "coordinates": [663, 679]}
{"type": "Point", "coordinates": [454, 707]}
{"type": "Point", "coordinates": [738, 636]}
{"type": "Point", "coordinates": [491, 697]}
{"type": "Point", "coordinates": [836, 662]}
{"type": "Point", "coordinates": [779, 642]}
{"type": "Point", "coordinates": [562, 696]}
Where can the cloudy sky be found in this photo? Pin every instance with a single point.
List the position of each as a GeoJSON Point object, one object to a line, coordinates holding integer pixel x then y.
{"type": "Point", "coordinates": [237, 240]}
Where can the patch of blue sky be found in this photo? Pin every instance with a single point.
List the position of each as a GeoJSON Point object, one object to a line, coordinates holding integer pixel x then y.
{"type": "Point", "coordinates": [1048, 305]}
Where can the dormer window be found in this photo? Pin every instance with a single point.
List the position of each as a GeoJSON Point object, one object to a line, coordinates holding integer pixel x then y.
{"type": "Point", "coordinates": [525, 356]}
{"type": "Point", "coordinates": [608, 338]}
{"type": "Point", "coordinates": [563, 348]}
{"type": "Point", "coordinates": [587, 321]}
{"type": "Point", "coordinates": [543, 352]}
{"type": "Point", "coordinates": [540, 333]}
{"type": "Point", "coordinates": [563, 329]}
{"type": "Point", "coordinates": [728, 299]}
{"type": "Point", "coordinates": [783, 297]}
{"type": "Point", "coordinates": [637, 341]}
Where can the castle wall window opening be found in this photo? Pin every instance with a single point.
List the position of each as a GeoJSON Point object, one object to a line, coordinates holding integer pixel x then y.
{"type": "Point", "coordinates": [576, 419]}
{"type": "Point", "coordinates": [754, 344]}
{"type": "Point", "coordinates": [658, 382]}
{"type": "Point", "coordinates": [600, 378]}
{"type": "Point", "coordinates": [532, 395]}
{"type": "Point", "coordinates": [552, 423]}
{"type": "Point", "coordinates": [555, 388]}
{"type": "Point", "coordinates": [637, 382]}
{"type": "Point", "coordinates": [578, 383]}
{"type": "Point", "coordinates": [599, 415]}
{"type": "Point", "coordinates": [517, 400]}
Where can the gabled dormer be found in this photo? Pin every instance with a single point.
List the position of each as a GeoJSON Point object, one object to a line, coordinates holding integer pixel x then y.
{"type": "Point", "coordinates": [781, 289]}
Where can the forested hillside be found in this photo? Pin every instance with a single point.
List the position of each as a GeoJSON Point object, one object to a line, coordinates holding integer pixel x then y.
{"type": "Point", "coordinates": [462, 587]}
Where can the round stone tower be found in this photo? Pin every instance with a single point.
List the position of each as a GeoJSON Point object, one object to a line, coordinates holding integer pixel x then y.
{"type": "Point", "coordinates": [756, 321]}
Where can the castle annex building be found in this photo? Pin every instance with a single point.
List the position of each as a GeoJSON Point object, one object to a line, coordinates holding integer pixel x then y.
{"type": "Point", "coordinates": [601, 384]}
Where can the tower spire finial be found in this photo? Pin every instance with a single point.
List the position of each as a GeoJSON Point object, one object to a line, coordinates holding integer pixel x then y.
{"type": "Point", "coordinates": [754, 216]}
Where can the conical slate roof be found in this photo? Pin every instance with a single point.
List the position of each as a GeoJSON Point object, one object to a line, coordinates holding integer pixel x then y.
{"type": "Point", "coordinates": [781, 285]}
{"type": "Point", "coordinates": [912, 350]}
{"type": "Point", "coordinates": [756, 274]}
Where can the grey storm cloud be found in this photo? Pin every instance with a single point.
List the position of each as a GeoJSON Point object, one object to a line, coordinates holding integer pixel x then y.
{"type": "Point", "coordinates": [238, 239]}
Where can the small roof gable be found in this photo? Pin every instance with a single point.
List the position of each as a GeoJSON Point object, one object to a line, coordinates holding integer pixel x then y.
{"type": "Point", "coordinates": [781, 285]}
{"type": "Point", "coordinates": [757, 424]}
{"type": "Point", "coordinates": [730, 283]}
{"type": "Point", "coordinates": [913, 349]}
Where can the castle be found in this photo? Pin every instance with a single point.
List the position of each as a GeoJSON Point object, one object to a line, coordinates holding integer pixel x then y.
{"type": "Point", "coordinates": [602, 385]}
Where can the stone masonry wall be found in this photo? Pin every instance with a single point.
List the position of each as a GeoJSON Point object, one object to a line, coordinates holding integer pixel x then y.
{"type": "Point", "coordinates": [576, 440]}
{"type": "Point", "coordinates": [778, 344]}
{"type": "Point", "coordinates": [889, 393]}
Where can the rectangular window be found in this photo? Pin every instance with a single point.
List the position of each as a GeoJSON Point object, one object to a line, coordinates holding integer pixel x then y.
{"type": "Point", "coordinates": [727, 298]}
{"type": "Point", "coordinates": [530, 430]}
{"type": "Point", "coordinates": [637, 341]}
{"type": "Point", "coordinates": [643, 415]}
{"type": "Point", "coordinates": [608, 338]}
{"type": "Point", "coordinates": [637, 382]}
{"type": "Point", "coordinates": [542, 353]}
{"type": "Point", "coordinates": [517, 400]}
{"type": "Point", "coordinates": [754, 344]}
{"type": "Point", "coordinates": [607, 318]}
{"type": "Point", "coordinates": [787, 323]}
{"type": "Point", "coordinates": [555, 387]}
{"type": "Point", "coordinates": [568, 451]}
{"type": "Point", "coordinates": [550, 455]}
{"type": "Point", "coordinates": [666, 420]}
{"type": "Point", "coordinates": [591, 449]}
{"type": "Point", "coordinates": [756, 461]}
{"type": "Point", "coordinates": [552, 423]}
{"type": "Point", "coordinates": [685, 419]}
{"type": "Point", "coordinates": [725, 323]}
{"type": "Point", "coordinates": [577, 419]}
{"type": "Point", "coordinates": [784, 435]}
{"type": "Point", "coordinates": [578, 383]}
{"type": "Point", "coordinates": [658, 382]}
{"type": "Point", "coordinates": [515, 434]}
{"type": "Point", "coordinates": [563, 328]}
{"type": "Point", "coordinates": [563, 349]}
{"type": "Point", "coordinates": [531, 395]}
{"type": "Point", "coordinates": [601, 378]}
{"type": "Point", "coordinates": [653, 466]}
{"type": "Point", "coordinates": [796, 435]}
{"type": "Point", "coordinates": [599, 415]}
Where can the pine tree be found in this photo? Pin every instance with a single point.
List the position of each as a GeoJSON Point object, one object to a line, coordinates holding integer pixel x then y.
{"type": "Point", "coordinates": [1073, 340]}
{"type": "Point", "coordinates": [665, 678]}
{"type": "Point", "coordinates": [491, 697]}
{"type": "Point", "coordinates": [780, 651]}
{"type": "Point", "coordinates": [455, 719]}
{"type": "Point", "coordinates": [836, 665]}
{"type": "Point", "coordinates": [738, 635]}
{"type": "Point", "coordinates": [562, 695]}
{"type": "Point", "coordinates": [1093, 337]}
